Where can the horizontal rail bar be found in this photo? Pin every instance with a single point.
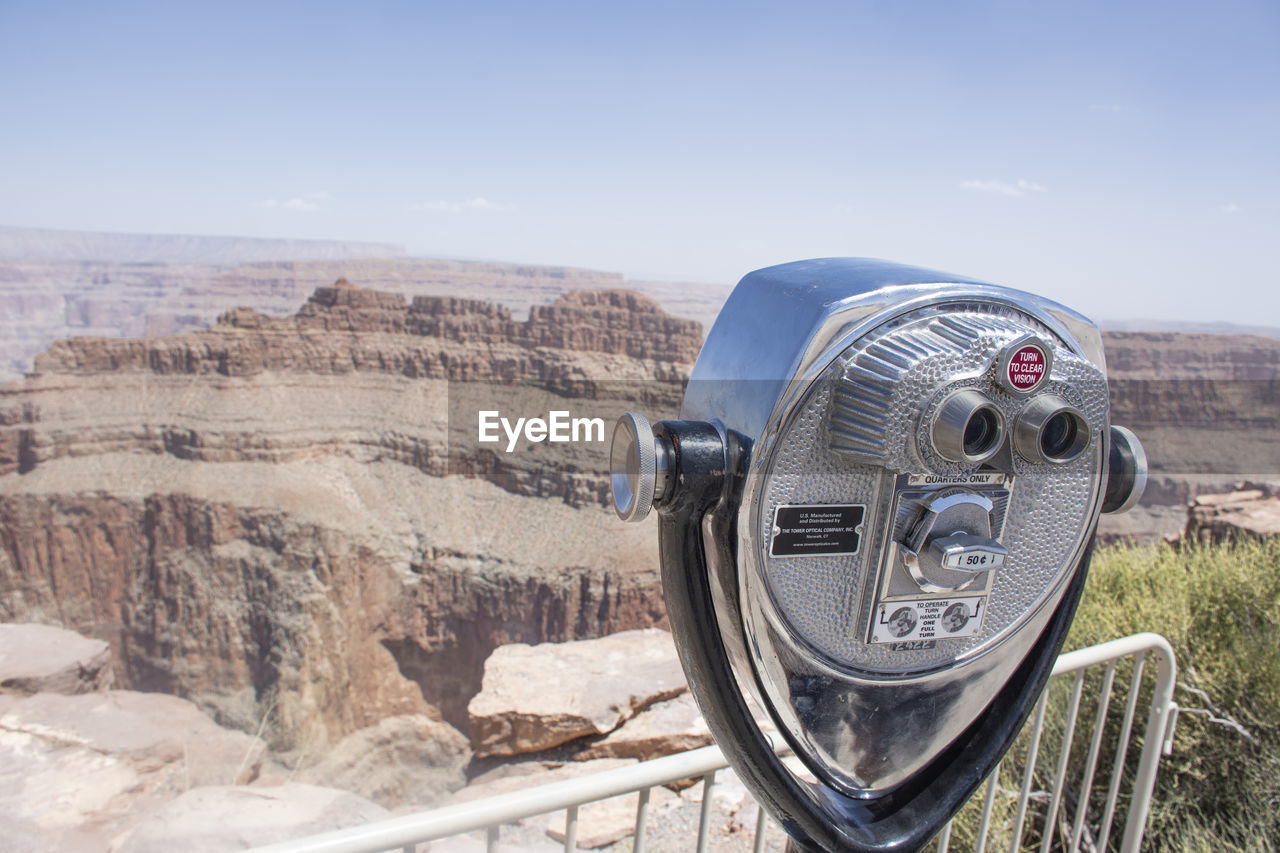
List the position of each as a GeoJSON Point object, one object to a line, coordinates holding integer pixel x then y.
{"type": "Point", "coordinates": [504, 808]}
{"type": "Point", "coordinates": [1112, 649]}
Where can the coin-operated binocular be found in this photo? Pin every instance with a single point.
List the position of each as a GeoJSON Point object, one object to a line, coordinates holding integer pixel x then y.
{"type": "Point", "coordinates": [876, 516]}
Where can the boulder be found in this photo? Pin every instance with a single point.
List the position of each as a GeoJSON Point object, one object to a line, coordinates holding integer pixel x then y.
{"type": "Point", "coordinates": [533, 698]}
{"type": "Point", "coordinates": [224, 817]}
{"type": "Point", "coordinates": [402, 761]}
{"type": "Point", "coordinates": [44, 658]}
{"type": "Point", "coordinates": [78, 771]}
{"type": "Point", "coordinates": [1251, 511]}
{"type": "Point", "coordinates": [149, 731]}
{"type": "Point", "coordinates": [663, 728]}
{"type": "Point", "coordinates": [51, 793]}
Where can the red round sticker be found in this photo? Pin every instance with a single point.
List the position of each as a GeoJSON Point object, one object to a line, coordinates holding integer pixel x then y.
{"type": "Point", "coordinates": [1026, 367]}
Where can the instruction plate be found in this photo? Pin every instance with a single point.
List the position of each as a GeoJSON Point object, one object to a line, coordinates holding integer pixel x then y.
{"type": "Point", "coordinates": [928, 619]}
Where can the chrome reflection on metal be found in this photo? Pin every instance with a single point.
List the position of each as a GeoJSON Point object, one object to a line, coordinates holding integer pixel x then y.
{"type": "Point", "coordinates": [638, 466]}
{"type": "Point", "coordinates": [967, 428]}
{"type": "Point", "coordinates": [1048, 429]}
{"type": "Point", "coordinates": [834, 372]}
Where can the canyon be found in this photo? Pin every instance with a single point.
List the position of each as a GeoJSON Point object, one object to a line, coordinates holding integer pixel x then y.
{"type": "Point", "coordinates": [261, 485]}
{"type": "Point", "coordinates": [56, 284]}
{"type": "Point", "coordinates": [292, 511]}
{"type": "Point", "coordinates": [1207, 408]}
{"type": "Point", "coordinates": [257, 516]}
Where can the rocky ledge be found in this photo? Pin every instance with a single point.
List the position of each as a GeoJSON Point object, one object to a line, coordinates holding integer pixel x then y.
{"type": "Point", "coordinates": [1250, 511]}
{"type": "Point", "coordinates": [282, 517]}
{"type": "Point", "coordinates": [343, 328]}
{"type": "Point", "coordinates": [136, 772]}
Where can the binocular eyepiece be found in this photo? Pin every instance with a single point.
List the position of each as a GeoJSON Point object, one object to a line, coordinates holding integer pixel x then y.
{"type": "Point", "coordinates": [876, 513]}
{"type": "Point", "coordinates": [970, 429]}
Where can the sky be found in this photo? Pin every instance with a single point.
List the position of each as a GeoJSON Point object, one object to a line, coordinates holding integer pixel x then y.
{"type": "Point", "coordinates": [1122, 158]}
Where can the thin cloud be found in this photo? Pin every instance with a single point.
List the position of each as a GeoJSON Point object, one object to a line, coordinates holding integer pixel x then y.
{"type": "Point", "coordinates": [1230, 208]}
{"type": "Point", "coordinates": [303, 203]}
{"type": "Point", "coordinates": [1105, 108]}
{"type": "Point", "coordinates": [471, 204]}
{"type": "Point", "coordinates": [1019, 188]}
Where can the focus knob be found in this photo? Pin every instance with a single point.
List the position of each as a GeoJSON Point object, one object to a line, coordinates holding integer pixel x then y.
{"type": "Point", "coordinates": [1126, 472]}
{"type": "Point", "coordinates": [638, 465]}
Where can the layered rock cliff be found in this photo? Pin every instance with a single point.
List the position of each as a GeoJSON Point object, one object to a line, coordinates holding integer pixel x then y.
{"type": "Point", "coordinates": [1207, 408]}
{"type": "Point", "coordinates": [260, 516]}
{"type": "Point", "coordinates": [360, 373]}
{"type": "Point", "coordinates": [46, 297]}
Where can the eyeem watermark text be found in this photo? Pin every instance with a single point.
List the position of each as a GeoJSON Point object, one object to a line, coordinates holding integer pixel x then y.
{"type": "Point", "coordinates": [559, 426]}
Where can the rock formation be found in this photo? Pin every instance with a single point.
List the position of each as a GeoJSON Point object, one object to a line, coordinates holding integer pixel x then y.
{"type": "Point", "coordinates": [414, 375]}
{"type": "Point", "coordinates": [83, 767]}
{"type": "Point", "coordinates": [401, 762]}
{"type": "Point", "coordinates": [663, 728]}
{"type": "Point", "coordinates": [534, 698]}
{"type": "Point", "coordinates": [1207, 408]}
{"type": "Point", "coordinates": [262, 517]}
{"type": "Point", "coordinates": [1250, 511]}
{"type": "Point", "coordinates": [158, 289]}
{"type": "Point", "coordinates": [78, 771]}
{"type": "Point", "coordinates": [46, 659]}
{"type": "Point", "coordinates": [344, 329]}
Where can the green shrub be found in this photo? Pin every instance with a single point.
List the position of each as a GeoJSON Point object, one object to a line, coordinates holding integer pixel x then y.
{"type": "Point", "coordinates": [1219, 606]}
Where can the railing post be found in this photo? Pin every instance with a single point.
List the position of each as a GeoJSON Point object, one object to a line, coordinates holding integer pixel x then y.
{"type": "Point", "coordinates": [1144, 782]}
{"type": "Point", "coordinates": [642, 819]}
{"type": "Point", "coordinates": [704, 819]}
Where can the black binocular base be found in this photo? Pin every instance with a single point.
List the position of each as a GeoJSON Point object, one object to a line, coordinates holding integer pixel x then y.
{"type": "Point", "coordinates": [794, 846]}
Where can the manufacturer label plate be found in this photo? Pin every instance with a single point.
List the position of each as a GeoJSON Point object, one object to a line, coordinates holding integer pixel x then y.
{"type": "Point", "coordinates": [817, 530]}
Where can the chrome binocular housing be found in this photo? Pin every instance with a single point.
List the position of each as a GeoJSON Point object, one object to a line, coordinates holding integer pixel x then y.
{"type": "Point", "coordinates": [876, 512]}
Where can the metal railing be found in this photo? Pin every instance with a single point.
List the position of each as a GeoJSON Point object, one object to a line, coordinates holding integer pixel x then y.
{"type": "Point", "coordinates": [1073, 774]}
{"type": "Point", "coordinates": [998, 818]}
